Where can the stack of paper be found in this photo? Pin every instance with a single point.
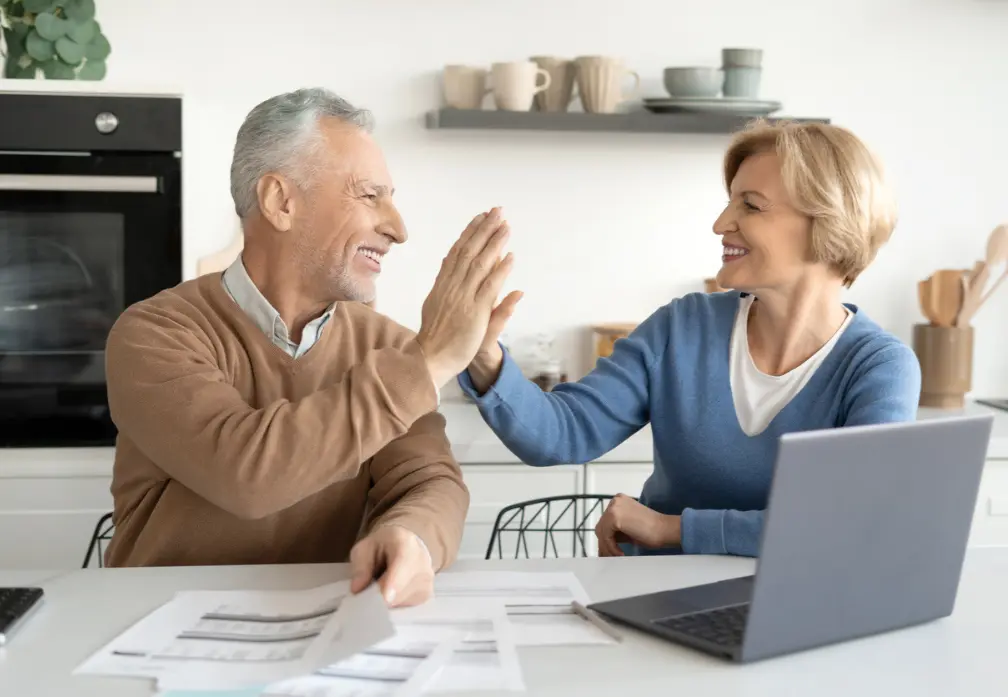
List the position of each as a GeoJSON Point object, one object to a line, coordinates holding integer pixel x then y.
{"type": "Point", "coordinates": [325, 642]}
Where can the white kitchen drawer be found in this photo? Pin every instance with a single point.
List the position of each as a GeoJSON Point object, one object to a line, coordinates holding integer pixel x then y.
{"type": "Point", "coordinates": [493, 487]}
{"type": "Point", "coordinates": [46, 522]}
{"type": "Point", "coordinates": [617, 477]}
{"type": "Point", "coordinates": [990, 521]}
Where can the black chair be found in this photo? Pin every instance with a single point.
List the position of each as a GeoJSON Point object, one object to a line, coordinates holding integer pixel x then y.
{"type": "Point", "coordinates": [565, 515]}
{"type": "Point", "coordinates": [102, 534]}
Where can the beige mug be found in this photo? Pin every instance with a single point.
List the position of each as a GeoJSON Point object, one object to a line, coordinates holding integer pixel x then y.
{"type": "Point", "coordinates": [516, 84]}
{"type": "Point", "coordinates": [464, 86]}
{"type": "Point", "coordinates": [560, 94]}
{"type": "Point", "coordinates": [600, 83]}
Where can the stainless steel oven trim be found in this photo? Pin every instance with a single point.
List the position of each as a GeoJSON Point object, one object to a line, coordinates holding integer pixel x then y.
{"type": "Point", "coordinates": [79, 183]}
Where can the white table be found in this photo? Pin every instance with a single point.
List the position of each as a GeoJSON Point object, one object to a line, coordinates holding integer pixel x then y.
{"type": "Point", "coordinates": [961, 655]}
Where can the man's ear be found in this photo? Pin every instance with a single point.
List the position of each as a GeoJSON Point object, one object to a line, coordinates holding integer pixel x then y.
{"type": "Point", "coordinates": [276, 200]}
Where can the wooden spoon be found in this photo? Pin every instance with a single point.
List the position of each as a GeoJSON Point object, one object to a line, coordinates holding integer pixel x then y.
{"type": "Point", "coordinates": [970, 278]}
{"type": "Point", "coordinates": [926, 299]}
{"type": "Point", "coordinates": [997, 253]}
{"type": "Point", "coordinates": [946, 289]}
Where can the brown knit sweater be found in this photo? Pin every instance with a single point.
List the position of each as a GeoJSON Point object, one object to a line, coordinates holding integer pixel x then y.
{"type": "Point", "coordinates": [232, 452]}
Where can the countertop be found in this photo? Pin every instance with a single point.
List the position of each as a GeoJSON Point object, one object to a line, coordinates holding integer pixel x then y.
{"type": "Point", "coordinates": [959, 655]}
{"type": "Point", "coordinates": [472, 441]}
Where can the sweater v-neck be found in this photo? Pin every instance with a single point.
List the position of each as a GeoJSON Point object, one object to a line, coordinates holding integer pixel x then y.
{"type": "Point", "coordinates": [228, 308]}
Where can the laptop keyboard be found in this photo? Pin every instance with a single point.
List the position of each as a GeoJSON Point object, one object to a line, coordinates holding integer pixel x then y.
{"type": "Point", "coordinates": [723, 626]}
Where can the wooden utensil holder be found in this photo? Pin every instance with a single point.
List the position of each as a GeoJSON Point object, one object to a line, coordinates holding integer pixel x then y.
{"type": "Point", "coordinates": [946, 361]}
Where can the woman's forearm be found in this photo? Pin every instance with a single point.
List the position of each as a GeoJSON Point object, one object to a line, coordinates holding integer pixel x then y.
{"type": "Point", "coordinates": [485, 368]}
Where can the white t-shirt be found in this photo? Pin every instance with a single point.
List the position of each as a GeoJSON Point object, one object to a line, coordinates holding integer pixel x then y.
{"type": "Point", "coordinates": [759, 397]}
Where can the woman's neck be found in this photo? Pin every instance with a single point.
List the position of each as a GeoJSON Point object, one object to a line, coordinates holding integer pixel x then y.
{"type": "Point", "coordinates": [787, 327]}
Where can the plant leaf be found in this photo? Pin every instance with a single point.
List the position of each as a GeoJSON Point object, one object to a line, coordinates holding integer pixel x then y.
{"type": "Point", "coordinates": [79, 10]}
{"type": "Point", "coordinates": [83, 32]}
{"type": "Point", "coordinates": [37, 6]}
{"type": "Point", "coordinates": [69, 50]}
{"type": "Point", "coordinates": [24, 72]}
{"type": "Point", "coordinates": [92, 70]}
{"type": "Point", "coordinates": [49, 26]}
{"type": "Point", "coordinates": [99, 48]}
{"type": "Point", "coordinates": [58, 70]}
{"type": "Point", "coordinates": [38, 48]}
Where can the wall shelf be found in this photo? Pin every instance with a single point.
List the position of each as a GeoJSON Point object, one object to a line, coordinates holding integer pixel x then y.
{"type": "Point", "coordinates": [633, 122]}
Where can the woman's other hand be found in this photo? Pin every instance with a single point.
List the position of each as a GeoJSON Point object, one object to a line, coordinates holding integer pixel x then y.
{"type": "Point", "coordinates": [627, 520]}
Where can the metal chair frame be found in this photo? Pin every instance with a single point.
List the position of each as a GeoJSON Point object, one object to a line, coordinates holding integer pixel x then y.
{"type": "Point", "coordinates": [580, 507]}
{"type": "Point", "coordinates": [102, 533]}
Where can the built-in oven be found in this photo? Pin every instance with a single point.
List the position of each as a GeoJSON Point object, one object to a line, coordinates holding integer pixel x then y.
{"type": "Point", "coordinates": [90, 222]}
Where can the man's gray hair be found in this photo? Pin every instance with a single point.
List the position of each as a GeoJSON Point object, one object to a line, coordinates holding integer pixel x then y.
{"type": "Point", "coordinates": [282, 135]}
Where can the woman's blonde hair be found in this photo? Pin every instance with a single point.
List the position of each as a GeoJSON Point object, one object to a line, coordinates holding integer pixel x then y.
{"type": "Point", "coordinates": [832, 177]}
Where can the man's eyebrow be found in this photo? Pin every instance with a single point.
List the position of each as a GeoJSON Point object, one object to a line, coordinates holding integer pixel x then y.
{"type": "Point", "coordinates": [379, 189]}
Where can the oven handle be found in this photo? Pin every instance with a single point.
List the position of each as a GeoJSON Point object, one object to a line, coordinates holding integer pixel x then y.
{"type": "Point", "coordinates": [78, 182]}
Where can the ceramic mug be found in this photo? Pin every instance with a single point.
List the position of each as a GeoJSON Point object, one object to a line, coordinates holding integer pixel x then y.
{"type": "Point", "coordinates": [600, 83]}
{"type": "Point", "coordinates": [560, 94]}
{"type": "Point", "coordinates": [464, 86]}
{"type": "Point", "coordinates": [516, 84]}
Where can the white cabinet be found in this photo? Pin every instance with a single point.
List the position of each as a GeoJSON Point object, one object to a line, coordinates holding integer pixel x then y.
{"type": "Point", "coordinates": [492, 487]}
{"type": "Point", "coordinates": [990, 521]}
{"type": "Point", "coordinates": [617, 477]}
{"type": "Point", "coordinates": [46, 520]}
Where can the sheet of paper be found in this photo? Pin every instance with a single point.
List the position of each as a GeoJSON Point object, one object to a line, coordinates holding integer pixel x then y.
{"type": "Point", "coordinates": [538, 605]}
{"type": "Point", "coordinates": [397, 667]}
{"type": "Point", "coordinates": [224, 640]}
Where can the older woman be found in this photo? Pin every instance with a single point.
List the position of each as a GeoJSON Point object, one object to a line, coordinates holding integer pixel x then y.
{"type": "Point", "coordinates": [721, 376]}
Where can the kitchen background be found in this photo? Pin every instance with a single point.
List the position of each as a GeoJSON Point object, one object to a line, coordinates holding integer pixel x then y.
{"type": "Point", "coordinates": [607, 226]}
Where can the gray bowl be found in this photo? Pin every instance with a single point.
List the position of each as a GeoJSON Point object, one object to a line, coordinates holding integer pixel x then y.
{"type": "Point", "coordinates": [694, 82]}
{"type": "Point", "coordinates": [741, 57]}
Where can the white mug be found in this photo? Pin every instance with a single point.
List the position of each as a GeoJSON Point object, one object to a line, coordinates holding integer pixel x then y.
{"type": "Point", "coordinates": [516, 84]}
{"type": "Point", "coordinates": [464, 86]}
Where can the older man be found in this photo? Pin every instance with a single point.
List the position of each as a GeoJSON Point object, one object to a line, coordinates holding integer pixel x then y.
{"type": "Point", "coordinates": [267, 414]}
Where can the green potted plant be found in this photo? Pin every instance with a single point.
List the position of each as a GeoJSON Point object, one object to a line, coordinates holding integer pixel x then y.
{"type": "Point", "coordinates": [58, 38]}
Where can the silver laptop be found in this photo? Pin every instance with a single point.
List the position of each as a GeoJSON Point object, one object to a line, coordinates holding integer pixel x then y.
{"type": "Point", "coordinates": [865, 532]}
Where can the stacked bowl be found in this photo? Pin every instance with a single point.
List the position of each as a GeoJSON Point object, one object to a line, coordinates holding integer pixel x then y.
{"type": "Point", "coordinates": [742, 68]}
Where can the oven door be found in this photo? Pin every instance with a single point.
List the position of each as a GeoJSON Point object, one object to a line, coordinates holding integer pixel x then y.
{"type": "Point", "coordinates": [82, 236]}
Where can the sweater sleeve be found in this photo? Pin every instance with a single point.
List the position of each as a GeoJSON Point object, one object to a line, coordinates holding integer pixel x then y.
{"type": "Point", "coordinates": [885, 389]}
{"type": "Point", "coordinates": [417, 484]}
{"type": "Point", "coordinates": [168, 395]}
{"type": "Point", "coordinates": [575, 422]}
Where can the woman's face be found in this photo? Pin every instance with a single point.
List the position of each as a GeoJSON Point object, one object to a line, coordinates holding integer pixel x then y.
{"type": "Point", "coordinates": [766, 242]}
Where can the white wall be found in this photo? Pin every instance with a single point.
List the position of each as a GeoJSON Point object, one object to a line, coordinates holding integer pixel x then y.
{"type": "Point", "coordinates": [606, 226]}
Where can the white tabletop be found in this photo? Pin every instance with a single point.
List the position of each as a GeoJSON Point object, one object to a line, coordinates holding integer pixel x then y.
{"type": "Point", "coordinates": [960, 655]}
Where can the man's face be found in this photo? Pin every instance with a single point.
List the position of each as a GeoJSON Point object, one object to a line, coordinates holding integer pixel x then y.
{"type": "Point", "coordinates": [346, 222]}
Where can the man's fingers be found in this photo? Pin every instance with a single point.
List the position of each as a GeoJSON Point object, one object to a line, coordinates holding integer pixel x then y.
{"type": "Point", "coordinates": [450, 259]}
{"type": "Point", "coordinates": [491, 287]}
{"type": "Point", "coordinates": [395, 579]}
{"type": "Point", "coordinates": [363, 560]}
{"type": "Point", "coordinates": [472, 249]}
{"type": "Point", "coordinates": [484, 262]}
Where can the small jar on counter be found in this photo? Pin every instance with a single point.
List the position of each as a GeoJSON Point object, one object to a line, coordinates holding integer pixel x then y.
{"type": "Point", "coordinates": [549, 375]}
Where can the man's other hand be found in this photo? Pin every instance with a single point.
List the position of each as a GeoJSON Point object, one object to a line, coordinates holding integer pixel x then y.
{"type": "Point", "coordinates": [400, 563]}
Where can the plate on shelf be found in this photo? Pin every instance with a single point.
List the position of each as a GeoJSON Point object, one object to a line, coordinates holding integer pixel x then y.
{"type": "Point", "coordinates": [733, 105]}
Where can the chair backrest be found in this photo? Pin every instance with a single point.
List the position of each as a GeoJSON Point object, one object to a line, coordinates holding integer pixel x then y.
{"type": "Point", "coordinates": [555, 526]}
{"type": "Point", "coordinates": [96, 548]}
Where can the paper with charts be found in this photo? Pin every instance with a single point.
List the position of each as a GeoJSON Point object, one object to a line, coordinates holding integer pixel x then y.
{"type": "Point", "coordinates": [231, 639]}
{"type": "Point", "coordinates": [324, 642]}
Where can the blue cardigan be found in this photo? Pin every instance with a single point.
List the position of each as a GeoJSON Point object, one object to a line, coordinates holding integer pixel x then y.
{"type": "Point", "coordinates": [672, 371]}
